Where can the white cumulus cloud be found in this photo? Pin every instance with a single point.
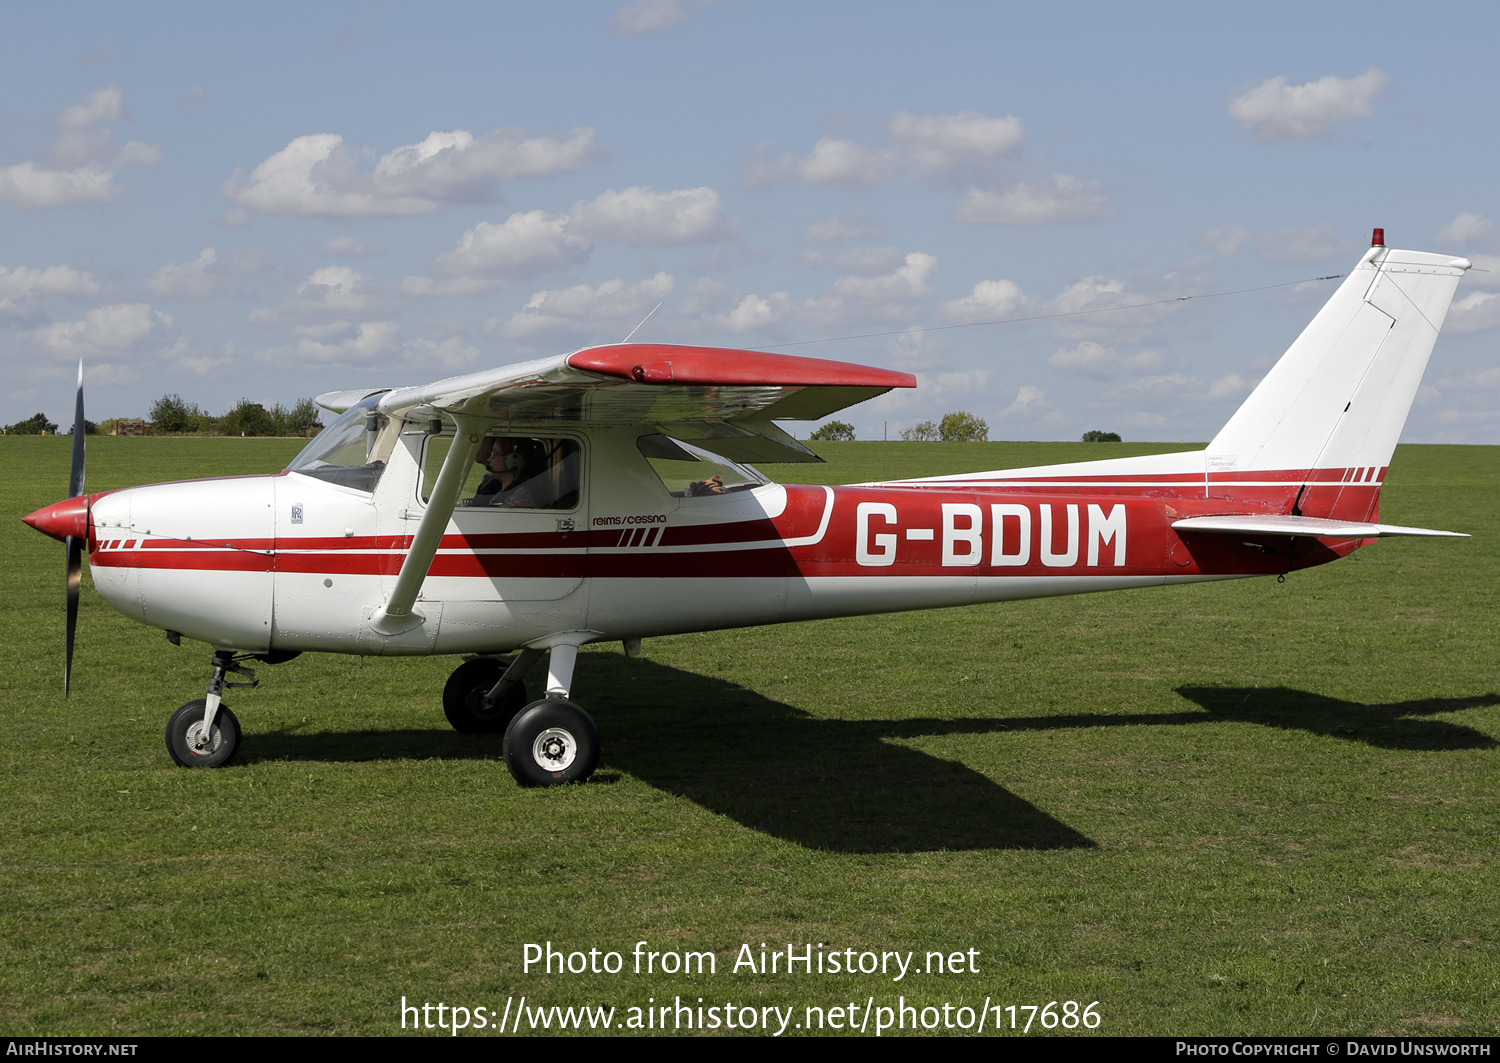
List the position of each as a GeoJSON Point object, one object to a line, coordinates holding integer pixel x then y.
{"type": "Point", "coordinates": [112, 330]}
{"type": "Point", "coordinates": [942, 143]}
{"type": "Point", "coordinates": [525, 243]}
{"type": "Point", "coordinates": [331, 293]}
{"type": "Point", "coordinates": [24, 290]}
{"type": "Point", "coordinates": [370, 341]}
{"type": "Point", "coordinates": [101, 105]}
{"type": "Point", "coordinates": [921, 145]}
{"type": "Point", "coordinates": [318, 176]}
{"type": "Point", "coordinates": [1486, 272]}
{"type": "Point", "coordinates": [863, 261]}
{"type": "Point", "coordinates": [1111, 312]}
{"type": "Point", "coordinates": [1229, 387]}
{"type": "Point", "coordinates": [1030, 400]}
{"type": "Point", "coordinates": [653, 16]}
{"type": "Point", "coordinates": [1059, 199]}
{"type": "Point", "coordinates": [1468, 228]}
{"type": "Point", "coordinates": [754, 313]}
{"type": "Point", "coordinates": [444, 344]}
{"type": "Point", "coordinates": [1475, 312]}
{"type": "Point", "coordinates": [863, 299]}
{"type": "Point", "coordinates": [81, 163]}
{"type": "Point", "coordinates": [1274, 110]}
{"type": "Point", "coordinates": [989, 301]}
{"type": "Point", "coordinates": [903, 284]}
{"type": "Point", "coordinates": [581, 312]}
{"type": "Point", "coordinates": [833, 161]}
{"type": "Point", "coordinates": [1090, 359]}
{"type": "Point", "coordinates": [532, 242]}
{"type": "Point", "coordinates": [640, 215]}
{"type": "Point", "coordinates": [206, 277]}
{"type": "Point", "coordinates": [1312, 243]}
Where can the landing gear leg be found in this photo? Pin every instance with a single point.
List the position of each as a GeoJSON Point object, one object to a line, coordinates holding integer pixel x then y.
{"type": "Point", "coordinates": [204, 733]}
{"type": "Point", "coordinates": [552, 742]}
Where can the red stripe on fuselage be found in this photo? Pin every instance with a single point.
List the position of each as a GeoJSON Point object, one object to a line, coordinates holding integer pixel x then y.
{"type": "Point", "coordinates": [756, 548]}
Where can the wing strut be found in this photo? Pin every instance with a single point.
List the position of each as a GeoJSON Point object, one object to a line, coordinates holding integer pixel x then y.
{"type": "Point", "coordinates": [400, 613]}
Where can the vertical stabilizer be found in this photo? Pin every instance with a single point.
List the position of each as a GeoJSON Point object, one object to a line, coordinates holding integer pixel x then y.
{"type": "Point", "coordinates": [1330, 411]}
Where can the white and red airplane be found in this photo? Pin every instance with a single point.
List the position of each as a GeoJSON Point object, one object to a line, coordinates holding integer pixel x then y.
{"type": "Point", "coordinates": [621, 501]}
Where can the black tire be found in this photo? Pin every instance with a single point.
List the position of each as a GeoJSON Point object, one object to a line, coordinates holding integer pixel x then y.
{"type": "Point", "coordinates": [185, 726]}
{"type": "Point", "coordinates": [551, 743]}
{"type": "Point", "coordinates": [463, 697]}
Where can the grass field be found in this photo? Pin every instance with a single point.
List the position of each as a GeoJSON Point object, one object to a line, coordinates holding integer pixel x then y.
{"type": "Point", "coordinates": [1249, 807]}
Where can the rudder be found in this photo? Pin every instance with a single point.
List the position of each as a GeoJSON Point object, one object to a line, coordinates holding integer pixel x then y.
{"type": "Point", "coordinates": [1330, 411]}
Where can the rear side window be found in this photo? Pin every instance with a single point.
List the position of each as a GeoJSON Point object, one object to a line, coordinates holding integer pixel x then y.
{"type": "Point", "coordinates": [691, 472]}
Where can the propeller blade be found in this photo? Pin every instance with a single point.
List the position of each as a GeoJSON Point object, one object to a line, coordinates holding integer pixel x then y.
{"type": "Point", "coordinates": [75, 577]}
{"type": "Point", "coordinates": [75, 475]}
{"type": "Point", "coordinates": [74, 544]}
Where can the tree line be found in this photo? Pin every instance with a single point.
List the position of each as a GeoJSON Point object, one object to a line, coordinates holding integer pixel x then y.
{"type": "Point", "coordinates": [956, 427]}
{"type": "Point", "coordinates": [173, 415]}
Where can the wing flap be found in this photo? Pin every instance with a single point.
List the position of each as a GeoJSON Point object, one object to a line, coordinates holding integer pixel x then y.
{"type": "Point", "coordinates": [1316, 527]}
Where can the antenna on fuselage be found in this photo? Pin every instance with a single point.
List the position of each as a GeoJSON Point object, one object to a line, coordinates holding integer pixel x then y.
{"type": "Point", "coordinates": [645, 319]}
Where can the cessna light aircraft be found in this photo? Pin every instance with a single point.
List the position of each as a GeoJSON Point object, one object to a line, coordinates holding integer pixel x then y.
{"type": "Point", "coordinates": [612, 494]}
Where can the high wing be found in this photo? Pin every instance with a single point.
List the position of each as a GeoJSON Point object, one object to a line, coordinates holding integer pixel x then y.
{"type": "Point", "coordinates": [723, 400]}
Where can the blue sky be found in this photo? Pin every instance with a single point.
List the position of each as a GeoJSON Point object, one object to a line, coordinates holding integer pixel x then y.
{"type": "Point", "coordinates": [270, 201]}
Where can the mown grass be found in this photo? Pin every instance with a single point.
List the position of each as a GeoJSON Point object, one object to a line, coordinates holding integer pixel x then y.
{"type": "Point", "coordinates": [1232, 808]}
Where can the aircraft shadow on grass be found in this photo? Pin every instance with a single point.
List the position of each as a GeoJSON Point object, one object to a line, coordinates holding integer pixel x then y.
{"type": "Point", "coordinates": [839, 785]}
{"type": "Point", "coordinates": [1397, 725]}
{"type": "Point", "coordinates": [848, 785]}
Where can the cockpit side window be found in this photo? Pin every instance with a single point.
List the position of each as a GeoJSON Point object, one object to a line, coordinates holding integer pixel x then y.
{"type": "Point", "coordinates": [690, 472]}
{"type": "Point", "coordinates": [511, 472]}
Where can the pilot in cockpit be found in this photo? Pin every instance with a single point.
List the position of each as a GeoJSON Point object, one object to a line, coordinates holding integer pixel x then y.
{"type": "Point", "coordinates": [509, 464]}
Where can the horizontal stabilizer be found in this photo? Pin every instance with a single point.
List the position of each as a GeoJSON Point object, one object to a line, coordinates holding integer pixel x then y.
{"type": "Point", "coordinates": [1316, 527]}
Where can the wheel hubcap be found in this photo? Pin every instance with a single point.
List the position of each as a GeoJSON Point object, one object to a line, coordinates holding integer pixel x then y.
{"type": "Point", "coordinates": [475, 702]}
{"type": "Point", "coordinates": [198, 746]}
{"type": "Point", "coordinates": [554, 749]}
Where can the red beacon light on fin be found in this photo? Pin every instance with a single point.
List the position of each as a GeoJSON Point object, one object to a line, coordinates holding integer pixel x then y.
{"type": "Point", "coordinates": [1377, 238]}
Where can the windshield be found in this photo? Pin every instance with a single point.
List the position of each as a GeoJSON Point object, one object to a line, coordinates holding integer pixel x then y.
{"type": "Point", "coordinates": [346, 452]}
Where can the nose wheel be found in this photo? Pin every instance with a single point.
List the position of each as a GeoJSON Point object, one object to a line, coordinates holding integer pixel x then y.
{"type": "Point", "coordinates": [194, 746]}
{"type": "Point", "coordinates": [204, 733]}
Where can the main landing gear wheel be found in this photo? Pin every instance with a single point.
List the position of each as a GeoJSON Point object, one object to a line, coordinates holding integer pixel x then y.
{"type": "Point", "coordinates": [463, 697]}
{"type": "Point", "coordinates": [550, 743]}
{"type": "Point", "coordinates": [186, 741]}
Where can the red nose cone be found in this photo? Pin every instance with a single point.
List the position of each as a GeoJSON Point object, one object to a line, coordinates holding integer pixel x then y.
{"type": "Point", "coordinates": [62, 519]}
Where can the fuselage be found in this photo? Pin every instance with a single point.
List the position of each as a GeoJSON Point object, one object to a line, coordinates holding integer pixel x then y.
{"type": "Point", "coordinates": [290, 562]}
